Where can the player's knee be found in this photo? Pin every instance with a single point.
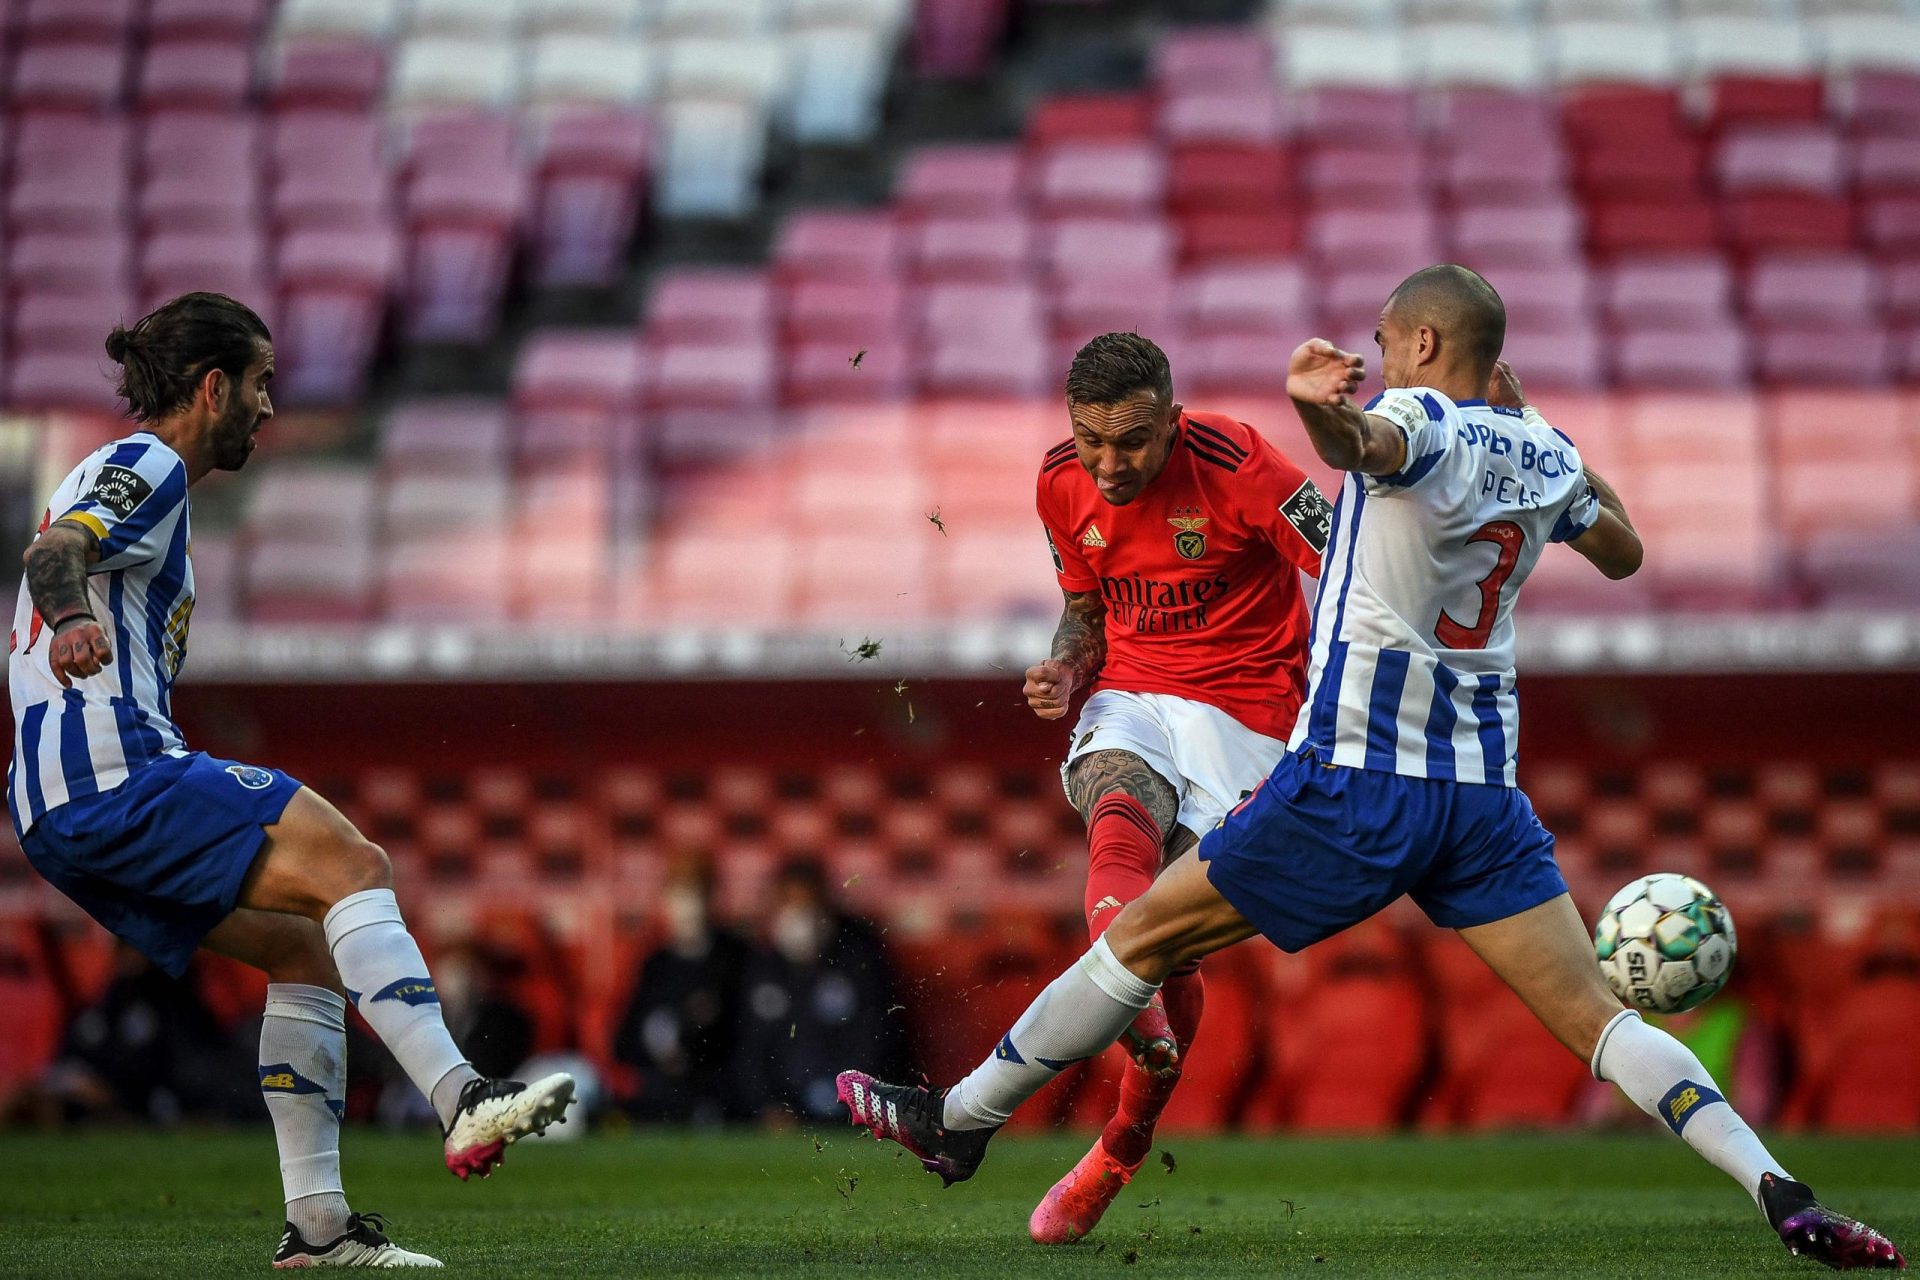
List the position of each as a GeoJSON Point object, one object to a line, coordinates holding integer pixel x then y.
{"type": "Point", "coordinates": [1145, 951]}
{"type": "Point", "coordinates": [364, 865]}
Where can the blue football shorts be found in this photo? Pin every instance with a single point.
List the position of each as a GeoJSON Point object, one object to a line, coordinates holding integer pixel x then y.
{"type": "Point", "coordinates": [1320, 847]}
{"type": "Point", "coordinates": [159, 859]}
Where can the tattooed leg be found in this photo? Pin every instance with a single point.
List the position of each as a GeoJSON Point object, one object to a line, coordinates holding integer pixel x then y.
{"type": "Point", "coordinates": [1099, 774]}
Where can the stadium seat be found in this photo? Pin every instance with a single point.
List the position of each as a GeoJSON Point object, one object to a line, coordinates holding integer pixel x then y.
{"type": "Point", "coordinates": [1100, 177]}
{"type": "Point", "coordinates": [839, 77]}
{"type": "Point", "coordinates": [1808, 158]}
{"type": "Point", "coordinates": [847, 315]}
{"type": "Point", "coordinates": [312, 503]}
{"type": "Point", "coordinates": [1263, 297]}
{"type": "Point", "coordinates": [1667, 291]}
{"type": "Point", "coordinates": [334, 292]}
{"type": "Point", "coordinates": [339, 72]}
{"type": "Point", "coordinates": [711, 304]}
{"type": "Point", "coordinates": [976, 248]}
{"type": "Point", "coordinates": [463, 225]}
{"type": "Point", "coordinates": [1354, 114]}
{"type": "Point", "coordinates": [595, 371]}
{"type": "Point", "coordinates": [1223, 117]}
{"type": "Point", "coordinates": [448, 437]}
{"type": "Point", "coordinates": [573, 71]}
{"type": "Point", "coordinates": [711, 156]}
{"type": "Point", "coordinates": [1493, 236]}
{"type": "Point", "coordinates": [72, 77]}
{"type": "Point", "coordinates": [838, 246]}
{"type": "Point", "coordinates": [310, 581]}
{"type": "Point", "coordinates": [443, 73]}
{"type": "Point", "coordinates": [1499, 54]}
{"type": "Point", "coordinates": [208, 75]}
{"type": "Point", "coordinates": [1764, 99]}
{"type": "Point", "coordinates": [1610, 51]}
{"type": "Point", "coordinates": [1758, 223]}
{"type": "Point", "coordinates": [237, 21]}
{"type": "Point", "coordinates": [374, 19]}
{"type": "Point", "coordinates": [590, 170]}
{"type": "Point", "coordinates": [1718, 44]}
{"type": "Point", "coordinates": [714, 374]}
{"type": "Point", "coordinates": [76, 20]}
{"type": "Point", "coordinates": [961, 179]}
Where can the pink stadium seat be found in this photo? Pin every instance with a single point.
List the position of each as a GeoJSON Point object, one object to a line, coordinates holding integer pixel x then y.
{"type": "Point", "coordinates": [177, 143]}
{"type": "Point", "coordinates": [1109, 177]}
{"type": "Point", "coordinates": [58, 380]}
{"type": "Point", "coordinates": [1227, 56]}
{"type": "Point", "coordinates": [1808, 289]}
{"type": "Point", "coordinates": [1472, 116]}
{"type": "Point", "coordinates": [824, 371]}
{"type": "Point", "coordinates": [181, 261]}
{"type": "Point", "coordinates": [1667, 291]}
{"type": "Point", "coordinates": [1562, 356]}
{"type": "Point", "coordinates": [197, 74]}
{"type": "Point", "coordinates": [853, 314]}
{"type": "Point", "coordinates": [1399, 240]}
{"type": "Point", "coordinates": [1234, 364]}
{"type": "Point", "coordinates": [1808, 158]}
{"type": "Point", "coordinates": [982, 310]}
{"type": "Point", "coordinates": [856, 582]}
{"type": "Point", "coordinates": [1887, 164]}
{"type": "Point", "coordinates": [993, 363]}
{"type": "Point", "coordinates": [78, 191]}
{"type": "Point", "coordinates": [459, 139]}
{"type": "Point", "coordinates": [1556, 297]}
{"type": "Point", "coordinates": [301, 581]}
{"type": "Point", "coordinates": [71, 320]}
{"type": "Point", "coordinates": [1351, 298]}
{"type": "Point", "coordinates": [459, 577]}
{"type": "Point", "coordinates": [1223, 116]}
{"type": "Point", "coordinates": [1841, 569]}
{"type": "Point", "coordinates": [1382, 175]}
{"type": "Point", "coordinates": [54, 138]}
{"type": "Point", "coordinates": [711, 304]}
{"type": "Point", "coordinates": [756, 588]}
{"type": "Point", "coordinates": [1901, 278]}
{"type": "Point", "coordinates": [976, 248]}
{"type": "Point", "coordinates": [994, 574]}
{"type": "Point", "coordinates": [339, 191]}
{"type": "Point", "coordinates": [1891, 224]}
{"type": "Point", "coordinates": [333, 72]}
{"type": "Point", "coordinates": [448, 437]}
{"type": "Point", "coordinates": [463, 224]}
{"type": "Point", "coordinates": [209, 193]}
{"type": "Point", "coordinates": [1520, 166]}
{"type": "Point", "coordinates": [1087, 246]}
{"type": "Point", "coordinates": [98, 260]}
{"type": "Point", "coordinates": [296, 137]}
{"type": "Point", "coordinates": [1859, 354]}
{"type": "Point", "coordinates": [1812, 462]}
{"type": "Point", "coordinates": [313, 503]}
{"type": "Point", "coordinates": [741, 373]}
{"type": "Point", "coordinates": [682, 440]}
{"type": "Point", "coordinates": [839, 246]}
{"type": "Point", "coordinates": [1268, 297]}
{"type": "Point", "coordinates": [334, 287]}
{"type": "Point", "coordinates": [1538, 235]}
{"type": "Point", "coordinates": [591, 169]}
{"type": "Point", "coordinates": [1348, 114]}
{"type": "Point", "coordinates": [591, 370]}
{"type": "Point", "coordinates": [1109, 302]}
{"type": "Point", "coordinates": [74, 77]}
{"type": "Point", "coordinates": [1882, 101]}
{"type": "Point", "coordinates": [1706, 356]}
{"type": "Point", "coordinates": [961, 179]}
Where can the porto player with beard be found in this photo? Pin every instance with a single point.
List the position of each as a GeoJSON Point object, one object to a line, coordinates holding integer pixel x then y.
{"type": "Point", "coordinates": [1178, 538]}
{"type": "Point", "coordinates": [173, 850]}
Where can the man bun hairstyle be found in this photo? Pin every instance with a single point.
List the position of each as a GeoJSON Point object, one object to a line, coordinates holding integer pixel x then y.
{"type": "Point", "coordinates": [165, 354]}
{"type": "Point", "coordinates": [1116, 365]}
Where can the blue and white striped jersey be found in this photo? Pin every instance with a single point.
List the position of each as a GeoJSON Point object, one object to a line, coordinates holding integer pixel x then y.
{"type": "Point", "coordinates": [1411, 657]}
{"type": "Point", "coordinates": [70, 743]}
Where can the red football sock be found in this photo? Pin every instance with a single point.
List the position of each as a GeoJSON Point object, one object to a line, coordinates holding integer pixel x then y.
{"type": "Point", "coordinates": [1123, 855]}
{"type": "Point", "coordinates": [1128, 1137]}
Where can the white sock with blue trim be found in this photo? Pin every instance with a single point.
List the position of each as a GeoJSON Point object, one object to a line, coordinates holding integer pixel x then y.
{"type": "Point", "coordinates": [303, 1077]}
{"type": "Point", "coordinates": [382, 968]}
{"type": "Point", "coordinates": [1667, 1082]}
{"type": "Point", "coordinates": [1079, 1014]}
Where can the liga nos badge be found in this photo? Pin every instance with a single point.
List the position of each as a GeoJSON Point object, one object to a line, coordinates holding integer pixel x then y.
{"type": "Point", "coordinates": [1187, 538]}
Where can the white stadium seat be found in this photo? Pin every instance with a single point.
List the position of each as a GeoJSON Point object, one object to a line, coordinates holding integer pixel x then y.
{"type": "Point", "coordinates": [464, 17]}
{"type": "Point", "coordinates": [574, 69]}
{"type": "Point", "coordinates": [712, 152]}
{"type": "Point", "coordinates": [1720, 44]}
{"type": "Point", "coordinates": [754, 69]}
{"type": "Point", "coordinates": [1311, 56]}
{"type": "Point", "coordinates": [1505, 55]}
{"type": "Point", "coordinates": [1582, 51]}
{"type": "Point", "coordinates": [715, 17]}
{"type": "Point", "coordinates": [1284, 15]}
{"type": "Point", "coordinates": [890, 16]}
{"type": "Point", "coordinates": [587, 17]}
{"type": "Point", "coordinates": [1851, 40]}
{"type": "Point", "coordinates": [450, 71]}
{"type": "Point", "coordinates": [839, 77]}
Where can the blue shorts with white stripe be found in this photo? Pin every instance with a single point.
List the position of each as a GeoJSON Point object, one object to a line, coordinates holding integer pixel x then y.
{"type": "Point", "coordinates": [1320, 847]}
{"type": "Point", "coordinates": [159, 859]}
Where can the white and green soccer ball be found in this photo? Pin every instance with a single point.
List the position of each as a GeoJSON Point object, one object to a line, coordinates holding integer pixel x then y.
{"type": "Point", "coordinates": [1665, 943]}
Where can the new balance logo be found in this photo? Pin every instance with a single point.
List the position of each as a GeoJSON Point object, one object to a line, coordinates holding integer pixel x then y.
{"type": "Point", "coordinates": [1092, 538]}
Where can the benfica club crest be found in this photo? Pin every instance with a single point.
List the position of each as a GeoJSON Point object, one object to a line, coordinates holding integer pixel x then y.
{"type": "Point", "coordinates": [1187, 538]}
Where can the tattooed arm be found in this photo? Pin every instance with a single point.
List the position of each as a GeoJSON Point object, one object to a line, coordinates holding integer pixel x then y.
{"type": "Point", "coordinates": [57, 565]}
{"type": "Point", "coordinates": [1079, 647]}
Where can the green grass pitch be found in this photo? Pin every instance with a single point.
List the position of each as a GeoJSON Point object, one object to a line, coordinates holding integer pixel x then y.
{"type": "Point", "coordinates": [205, 1204]}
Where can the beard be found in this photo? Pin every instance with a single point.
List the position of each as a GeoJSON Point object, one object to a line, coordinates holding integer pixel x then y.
{"type": "Point", "coordinates": [233, 437]}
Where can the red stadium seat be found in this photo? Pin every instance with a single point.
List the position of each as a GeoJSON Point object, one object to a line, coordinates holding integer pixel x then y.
{"type": "Point", "coordinates": [1088, 116]}
{"type": "Point", "coordinates": [1208, 236]}
{"type": "Point", "coordinates": [1739, 100]}
{"type": "Point", "coordinates": [1242, 179]}
{"type": "Point", "coordinates": [1850, 1086]}
{"type": "Point", "coordinates": [1886, 164]}
{"type": "Point", "coordinates": [1651, 226]}
{"type": "Point", "coordinates": [1646, 170]}
{"type": "Point", "coordinates": [1500, 1069]}
{"type": "Point", "coordinates": [1758, 223]}
{"type": "Point", "coordinates": [1629, 113]}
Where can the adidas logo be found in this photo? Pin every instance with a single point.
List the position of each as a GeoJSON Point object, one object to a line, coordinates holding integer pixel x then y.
{"type": "Point", "coordinates": [1107, 903]}
{"type": "Point", "coordinates": [1092, 538]}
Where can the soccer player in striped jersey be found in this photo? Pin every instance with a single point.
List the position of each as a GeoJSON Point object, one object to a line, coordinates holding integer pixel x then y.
{"type": "Point", "coordinates": [1178, 537]}
{"type": "Point", "coordinates": [1400, 775]}
{"type": "Point", "coordinates": [173, 850]}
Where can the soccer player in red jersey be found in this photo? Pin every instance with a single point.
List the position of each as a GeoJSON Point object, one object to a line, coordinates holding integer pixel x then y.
{"type": "Point", "coordinates": [1178, 537]}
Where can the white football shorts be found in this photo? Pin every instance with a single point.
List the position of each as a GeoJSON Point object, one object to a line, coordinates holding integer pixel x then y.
{"type": "Point", "coordinates": [1211, 759]}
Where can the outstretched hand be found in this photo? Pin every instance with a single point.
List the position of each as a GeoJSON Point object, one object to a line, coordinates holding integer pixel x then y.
{"type": "Point", "coordinates": [1503, 388]}
{"type": "Point", "coordinates": [1322, 374]}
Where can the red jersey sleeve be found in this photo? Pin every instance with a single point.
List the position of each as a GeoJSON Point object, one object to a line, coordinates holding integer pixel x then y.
{"type": "Point", "coordinates": [1284, 504]}
{"type": "Point", "coordinates": [1069, 564]}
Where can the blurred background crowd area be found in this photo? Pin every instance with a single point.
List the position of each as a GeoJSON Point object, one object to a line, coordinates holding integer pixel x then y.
{"type": "Point", "coordinates": [734, 329]}
{"type": "Point", "coordinates": [573, 299]}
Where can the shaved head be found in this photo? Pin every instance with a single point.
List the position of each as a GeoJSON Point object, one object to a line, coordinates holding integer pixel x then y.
{"type": "Point", "coordinates": [1460, 307]}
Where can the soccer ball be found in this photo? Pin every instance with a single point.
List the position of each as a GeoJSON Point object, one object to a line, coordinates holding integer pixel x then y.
{"type": "Point", "coordinates": [1665, 943]}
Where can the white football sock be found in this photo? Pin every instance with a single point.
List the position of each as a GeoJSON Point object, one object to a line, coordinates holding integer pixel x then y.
{"type": "Point", "coordinates": [303, 1076]}
{"type": "Point", "coordinates": [1666, 1081]}
{"type": "Point", "coordinates": [1079, 1014]}
{"type": "Point", "coordinates": [381, 966]}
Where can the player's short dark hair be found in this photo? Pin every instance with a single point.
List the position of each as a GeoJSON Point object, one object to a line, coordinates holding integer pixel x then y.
{"type": "Point", "coordinates": [165, 354]}
{"type": "Point", "coordinates": [1457, 303]}
{"type": "Point", "coordinates": [1116, 365]}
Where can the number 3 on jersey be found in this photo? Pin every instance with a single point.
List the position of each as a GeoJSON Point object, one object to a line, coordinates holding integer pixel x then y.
{"type": "Point", "coordinates": [1508, 537]}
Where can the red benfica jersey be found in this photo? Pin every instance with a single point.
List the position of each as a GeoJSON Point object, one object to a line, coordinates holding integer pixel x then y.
{"type": "Point", "coordinates": [1198, 572]}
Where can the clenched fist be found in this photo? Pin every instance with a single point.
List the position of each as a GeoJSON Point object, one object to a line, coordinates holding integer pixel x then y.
{"type": "Point", "coordinates": [1049, 688]}
{"type": "Point", "coordinates": [79, 648]}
